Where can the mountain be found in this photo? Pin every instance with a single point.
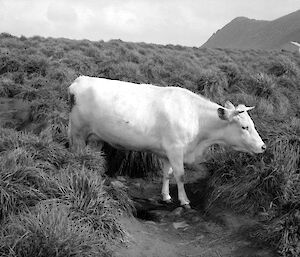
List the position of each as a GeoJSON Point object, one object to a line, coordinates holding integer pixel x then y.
{"type": "Point", "coordinates": [245, 33]}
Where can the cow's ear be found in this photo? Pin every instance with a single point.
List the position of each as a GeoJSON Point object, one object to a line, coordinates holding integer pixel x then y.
{"type": "Point", "coordinates": [222, 114]}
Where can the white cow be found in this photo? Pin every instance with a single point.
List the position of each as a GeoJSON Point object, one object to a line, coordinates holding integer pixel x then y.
{"type": "Point", "coordinates": [172, 122]}
{"type": "Point", "coordinates": [296, 44]}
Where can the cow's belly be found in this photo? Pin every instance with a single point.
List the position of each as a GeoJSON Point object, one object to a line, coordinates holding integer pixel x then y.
{"type": "Point", "coordinates": [125, 137]}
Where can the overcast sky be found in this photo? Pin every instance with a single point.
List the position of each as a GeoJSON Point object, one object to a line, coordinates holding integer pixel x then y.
{"type": "Point", "coordinates": [184, 22]}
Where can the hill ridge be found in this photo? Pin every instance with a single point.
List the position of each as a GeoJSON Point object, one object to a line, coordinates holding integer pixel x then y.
{"type": "Point", "coordinates": [246, 33]}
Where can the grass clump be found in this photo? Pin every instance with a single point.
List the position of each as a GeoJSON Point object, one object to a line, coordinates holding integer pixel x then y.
{"type": "Point", "coordinates": [89, 201]}
{"type": "Point", "coordinates": [283, 232]}
{"type": "Point", "coordinates": [263, 85]}
{"type": "Point", "coordinates": [283, 66]}
{"type": "Point", "coordinates": [92, 160]}
{"type": "Point", "coordinates": [137, 164]}
{"type": "Point", "coordinates": [266, 186]}
{"type": "Point", "coordinates": [23, 183]}
{"type": "Point", "coordinates": [130, 163]}
{"type": "Point", "coordinates": [48, 230]}
{"type": "Point", "coordinates": [212, 83]}
{"type": "Point", "coordinates": [43, 151]}
{"type": "Point", "coordinates": [35, 170]}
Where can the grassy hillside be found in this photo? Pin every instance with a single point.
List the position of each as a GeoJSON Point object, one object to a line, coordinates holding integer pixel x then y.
{"type": "Point", "coordinates": [41, 181]}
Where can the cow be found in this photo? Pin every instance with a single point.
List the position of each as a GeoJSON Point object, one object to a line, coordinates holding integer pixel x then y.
{"type": "Point", "coordinates": [296, 44]}
{"type": "Point", "coordinates": [172, 122]}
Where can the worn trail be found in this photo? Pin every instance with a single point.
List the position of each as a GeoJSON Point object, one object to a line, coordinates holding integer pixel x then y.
{"type": "Point", "coordinates": [165, 231]}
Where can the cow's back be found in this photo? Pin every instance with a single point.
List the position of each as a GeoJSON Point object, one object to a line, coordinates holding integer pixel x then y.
{"type": "Point", "coordinates": [114, 101]}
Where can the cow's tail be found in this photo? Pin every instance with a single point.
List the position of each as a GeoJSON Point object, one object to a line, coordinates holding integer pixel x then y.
{"type": "Point", "coordinates": [71, 102]}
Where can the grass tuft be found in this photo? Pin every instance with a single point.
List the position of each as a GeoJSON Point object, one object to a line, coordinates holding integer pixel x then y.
{"type": "Point", "coordinates": [265, 185]}
{"type": "Point", "coordinates": [23, 183]}
{"type": "Point", "coordinates": [89, 201]}
{"type": "Point", "coordinates": [48, 230]}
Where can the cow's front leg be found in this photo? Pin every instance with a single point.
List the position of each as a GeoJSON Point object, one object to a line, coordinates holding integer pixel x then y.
{"type": "Point", "coordinates": [176, 161]}
{"type": "Point", "coordinates": [179, 176]}
{"type": "Point", "coordinates": [167, 172]}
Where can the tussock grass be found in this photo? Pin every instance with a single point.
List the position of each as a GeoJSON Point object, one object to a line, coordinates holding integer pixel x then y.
{"type": "Point", "coordinates": [56, 128]}
{"type": "Point", "coordinates": [131, 163]}
{"type": "Point", "coordinates": [282, 232]}
{"type": "Point", "coordinates": [283, 66]}
{"type": "Point", "coordinates": [43, 151]}
{"type": "Point", "coordinates": [139, 164]}
{"type": "Point", "coordinates": [118, 192]}
{"type": "Point", "coordinates": [233, 75]}
{"type": "Point", "coordinates": [267, 185]}
{"type": "Point", "coordinates": [212, 83]}
{"type": "Point", "coordinates": [90, 202]}
{"type": "Point", "coordinates": [92, 160]}
{"type": "Point", "coordinates": [48, 230]}
{"type": "Point", "coordinates": [276, 173]}
{"type": "Point", "coordinates": [36, 169]}
{"type": "Point", "coordinates": [263, 85]}
{"type": "Point", "coordinates": [265, 108]}
{"type": "Point", "coordinates": [23, 182]}
{"type": "Point", "coordinates": [8, 88]}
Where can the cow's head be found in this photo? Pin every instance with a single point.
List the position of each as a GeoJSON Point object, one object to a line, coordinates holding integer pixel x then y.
{"type": "Point", "coordinates": [240, 131]}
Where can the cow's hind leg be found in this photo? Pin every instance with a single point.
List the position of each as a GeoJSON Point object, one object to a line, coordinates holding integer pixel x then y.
{"type": "Point", "coordinates": [167, 172]}
{"type": "Point", "coordinates": [176, 161]}
{"type": "Point", "coordinates": [77, 140]}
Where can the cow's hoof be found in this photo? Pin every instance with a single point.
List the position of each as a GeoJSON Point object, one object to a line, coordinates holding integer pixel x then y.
{"type": "Point", "coordinates": [169, 201]}
{"type": "Point", "coordinates": [166, 202]}
{"type": "Point", "coordinates": [186, 206]}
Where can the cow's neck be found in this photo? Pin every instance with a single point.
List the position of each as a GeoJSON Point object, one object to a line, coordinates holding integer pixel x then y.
{"type": "Point", "coordinates": [211, 131]}
{"type": "Point", "coordinates": [210, 124]}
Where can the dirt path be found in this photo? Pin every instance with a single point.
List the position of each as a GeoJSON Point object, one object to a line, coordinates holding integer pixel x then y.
{"type": "Point", "coordinates": [171, 231]}
{"type": "Point", "coordinates": [196, 237]}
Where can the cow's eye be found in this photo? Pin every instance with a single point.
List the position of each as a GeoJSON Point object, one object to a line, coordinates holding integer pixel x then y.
{"type": "Point", "coordinates": [246, 128]}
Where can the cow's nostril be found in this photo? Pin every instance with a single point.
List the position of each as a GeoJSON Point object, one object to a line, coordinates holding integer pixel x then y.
{"type": "Point", "coordinates": [264, 147]}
